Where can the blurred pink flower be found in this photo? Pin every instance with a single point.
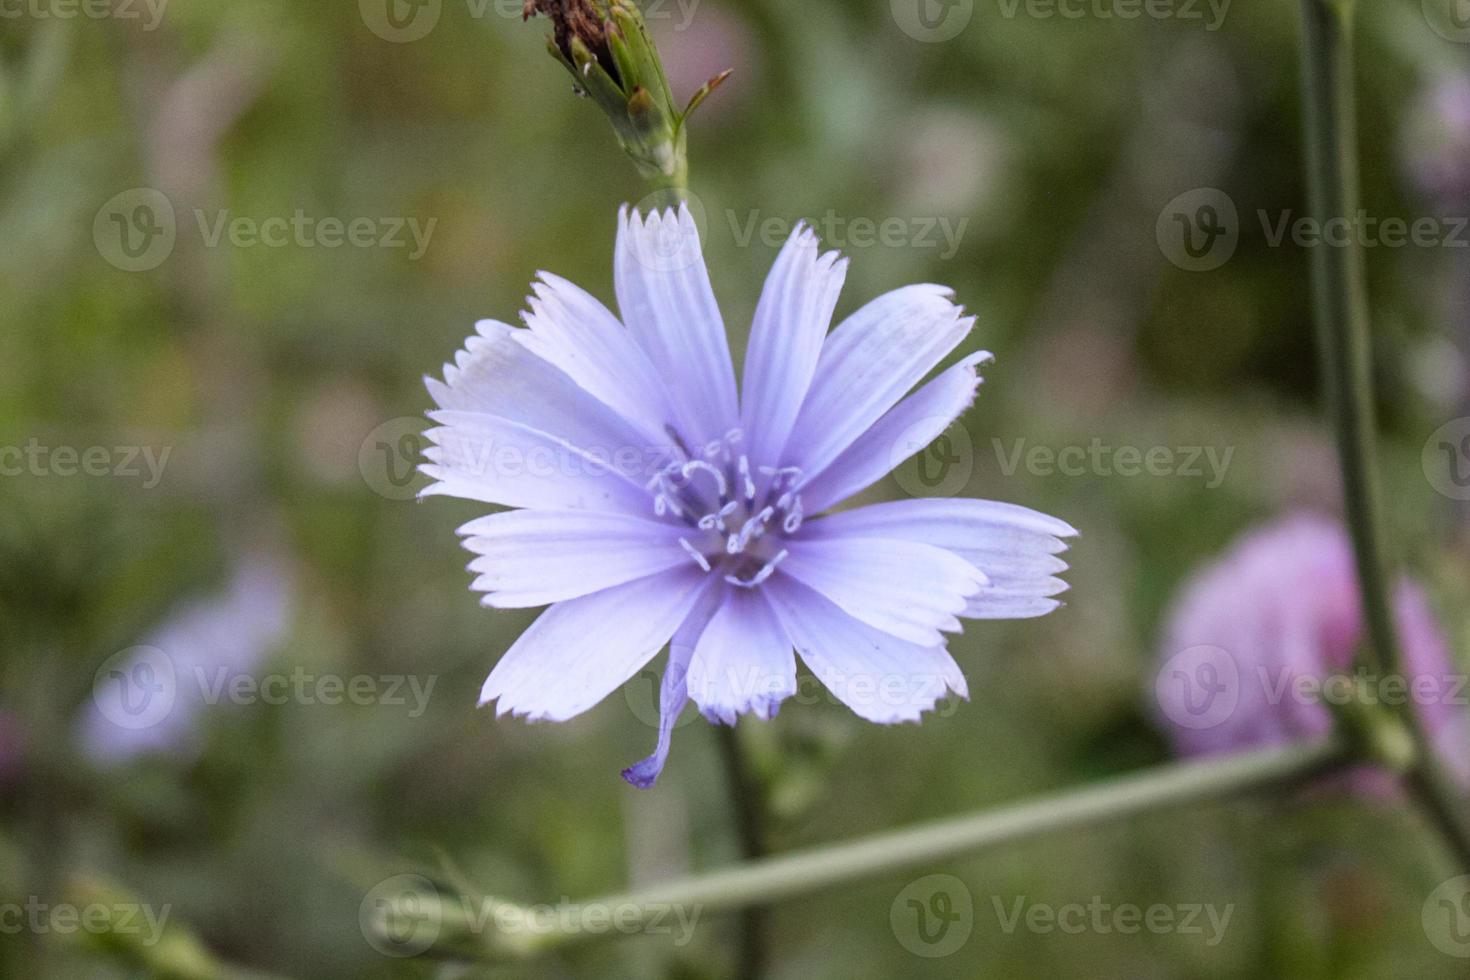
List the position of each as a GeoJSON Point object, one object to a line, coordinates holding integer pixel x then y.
{"type": "Point", "coordinates": [699, 42]}
{"type": "Point", "coordinates": [1437, 142]}
{"type": "Point", "coordinates": [1252, 641]}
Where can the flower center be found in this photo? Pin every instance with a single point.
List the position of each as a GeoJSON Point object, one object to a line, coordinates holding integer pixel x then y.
{"type": "Point", "coordinates": [734, 527]}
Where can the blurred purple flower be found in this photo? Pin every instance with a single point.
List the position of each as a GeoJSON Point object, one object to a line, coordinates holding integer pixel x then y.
{"type": "Point", "coordinates": [1252, 639]}
{"type": "Point", "coordinates": [149, 700]}
{"type": "Point", "coordinates": [657, 505]}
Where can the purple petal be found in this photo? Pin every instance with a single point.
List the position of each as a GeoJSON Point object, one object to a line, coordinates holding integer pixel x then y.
{"type": "Point", "coordinates": [580, 651]}
{"type": "Point", "coordinates": [496, 375]}
{"type": "Point", "coordinates": [537, 557]}
{"type": "Point", "coordinates": [880, 677]}
{"type": "Point", "coordinates": [674, 691]}
{"type": "Point", "coordinates": [786, 337]}
{"type": "Point", "coordinates": [868, 363]}
{"type": "Point", "coordinates": [665, 297]}
{"type": "Point", "coordinates": [910, 426]}
{"type": "Point", "coordinates": [497, 461]}
{"type": "Point", "coordinates": [572, 330]}
{"type": "Point", "coordinates": [906, 588]}
{"type": "Point", "coordinates": [743, 662]}
{"type": "Point", "coordinates": [1014, 546]}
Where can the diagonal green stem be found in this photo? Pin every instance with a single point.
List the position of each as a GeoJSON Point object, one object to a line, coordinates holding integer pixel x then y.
{"type": "Point", "coordinates": [1340, 300]}
{"type": "Point", "coordinates": [784, 877]}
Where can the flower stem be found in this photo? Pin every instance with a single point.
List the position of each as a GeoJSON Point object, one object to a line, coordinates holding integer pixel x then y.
{"type": "Point", "coordinates": [748, 802]}
{"type": "Point", "coordinates": [1340, 300]}
{"type": "Point", "coordinates": [769, 880]}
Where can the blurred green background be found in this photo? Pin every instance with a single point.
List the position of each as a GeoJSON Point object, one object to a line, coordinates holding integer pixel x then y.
{"type": "Point", "coordinates": [284, 382]}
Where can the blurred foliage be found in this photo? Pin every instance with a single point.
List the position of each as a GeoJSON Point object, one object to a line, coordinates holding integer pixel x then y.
{"type": "Point", "coordinates": [271, 372]}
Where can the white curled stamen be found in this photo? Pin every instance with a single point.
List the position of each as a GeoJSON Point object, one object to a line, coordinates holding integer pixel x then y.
{"type": "Point", "coordinates": [766, 571]}
{"type": "Point", "coordinates": [695, 553]}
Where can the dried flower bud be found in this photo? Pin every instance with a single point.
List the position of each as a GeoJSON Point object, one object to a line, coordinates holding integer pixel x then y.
{"type": "Point", "coordinates": [606, 46]}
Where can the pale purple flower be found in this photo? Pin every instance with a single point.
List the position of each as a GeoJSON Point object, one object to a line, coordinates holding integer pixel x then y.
{"type": "Point", "coordinates": [149, 702]}
{"type": "Point", "coordinates": [1252, 640]}
{"type": "Point", "coordinates": [654, 504]}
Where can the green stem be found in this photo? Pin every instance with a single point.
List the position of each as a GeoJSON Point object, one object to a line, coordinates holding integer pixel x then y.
{"type": "Point", "coordinates": [784, 877]}
{"type": "Point", "coordinates": [1340, 299]}
{"type": "Point", "coordinates": [748, 803]}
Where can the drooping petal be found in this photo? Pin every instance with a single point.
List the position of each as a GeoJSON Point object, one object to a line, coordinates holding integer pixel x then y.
{"type": "Point", "coordinates": [882, 678]}
{"type": "Point", "coordinates": [666, 301]}
{"type": "Point", "coordinates": [497, 461]}
{"type": "Point", "coordinates": [868, 363]}
{"type": "Point", "coordinates": [743, 662]}
{"type": "Point", "coordinates": [1015, 547]}
{"type": "Point", "coordinates": [907, 428]}
{"type": "Point", "coordinates": [537, 557]}
{"type": "Point", "coordinates": [906, 588]}
{"type": "Point", "coordinates": [581, 650]}
{"type": "Point", "coordinates": [674, 690]}
{"type": "Point", "coordinates": [786, 337]}
{"type": "Point", "coordinates": [572, 330]}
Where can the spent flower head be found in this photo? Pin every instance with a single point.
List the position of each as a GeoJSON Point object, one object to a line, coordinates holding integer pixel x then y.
{"type": "Point", "coordinates": [612, 58]}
